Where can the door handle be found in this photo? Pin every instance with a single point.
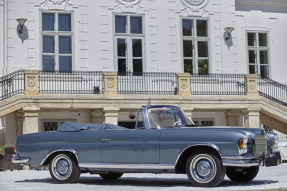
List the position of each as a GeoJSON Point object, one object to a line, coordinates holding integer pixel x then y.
{"type": "Point", "coordinates": [106, 140]}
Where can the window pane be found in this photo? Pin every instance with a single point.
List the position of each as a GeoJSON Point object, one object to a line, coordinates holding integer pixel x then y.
{"type": "Point", "coordinates": [121, 23]}
{"type": "Point", "coordinates": [202, 66]}
{"type": "Point", "coordinates": [50, 126]}
{"type": "Point", "coordinates": [122, 65]}
{"type": "Point", "coordinates": [252, 56]}
{"type": "Point", "coordinates": [48, 44]}
{"type": "Point", "coordinates": [136, 25]}
{"type": "Point", "coordinates": [138, 65]}
{"type": "Point", "coordinates": [262, 39]}
{"type": "Point", "coordinates": [64, 22]}
{"type": "Point", "coordinates": [264, 71]}
{"type": "Point", "coordinates": [252, 69]}
{"type": "Point", "coordinates": [48, 63]}
{"type": "Point", "coordinates": [65, 63]}
{"type": "Point", "coordinates": [137, 48]}
{"type": "Point", "coordinates": [48, 20]}
{"type": "Point", "coordinates": [187, 48]}
{"type": "Point", "coordinates": [188, 66]}
{"type": "Point", "coordinates": [251, 39]}
{"type": "Point", "coordinates": [201, 28]}
{"type": "Point", "coordinates": [187, 26]}
{"type": "Point", "coordinates": [121, 47]}
{"type": "Point", "coordinates": [65, 45]}
{"type": "Point", "coordinates": [263, 57]}
{"type": "Point", "coordinates": [202, 49]}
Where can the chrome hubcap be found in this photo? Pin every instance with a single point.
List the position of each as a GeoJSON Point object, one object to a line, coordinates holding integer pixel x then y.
{"type": "Point", "coordinates": [203, 168]}
{"type": "Point", "coordinates": [62, 167]}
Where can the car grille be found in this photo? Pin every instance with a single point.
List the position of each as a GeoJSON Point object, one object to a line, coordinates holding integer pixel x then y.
{"type": "Point", "coordinates": [260, 144]}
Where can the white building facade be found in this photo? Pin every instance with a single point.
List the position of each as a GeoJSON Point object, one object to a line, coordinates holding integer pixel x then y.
{"type": "Point", "coordinates": [138, 36]}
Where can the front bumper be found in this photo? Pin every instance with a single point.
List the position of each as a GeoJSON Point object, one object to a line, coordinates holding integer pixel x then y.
{"type": "Point", "coordinates": [241, 161]}
{"type": "Point", "coordinates": [19, 160]}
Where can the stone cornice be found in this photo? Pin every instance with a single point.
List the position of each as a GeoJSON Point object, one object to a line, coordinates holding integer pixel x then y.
{"type": "Point", "coordinates": [273, 3]}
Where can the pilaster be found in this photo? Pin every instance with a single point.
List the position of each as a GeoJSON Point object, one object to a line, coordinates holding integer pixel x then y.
{"type": "Point", "coordinates": [252, 118]}
{"type": "Point", "coordinates": [111, 115]}
{"type": "Point", "coordinates": [31, 120]}
{"type": "Point", "coordinates": [232, 118]}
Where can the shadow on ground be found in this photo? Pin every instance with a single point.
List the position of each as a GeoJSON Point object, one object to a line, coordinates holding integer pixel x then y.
{"type": "Point", "coordinates": [154, 182]}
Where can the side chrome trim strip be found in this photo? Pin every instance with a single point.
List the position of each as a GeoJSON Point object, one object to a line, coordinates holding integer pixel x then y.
{"type": "Point", "coordinates": [60, 150]}
{"type": "Point", "coordinates": [127, 166]}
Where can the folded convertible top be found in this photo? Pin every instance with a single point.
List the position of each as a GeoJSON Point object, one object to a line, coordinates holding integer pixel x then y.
{"type": "Point", "coordinates": [74, 127]}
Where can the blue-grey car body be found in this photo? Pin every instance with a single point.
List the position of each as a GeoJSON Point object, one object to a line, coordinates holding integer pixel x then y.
{"type": "Point", "coordinates": [110, 148]}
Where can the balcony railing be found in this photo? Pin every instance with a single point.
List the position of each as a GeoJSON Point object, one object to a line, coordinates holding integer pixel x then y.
{"type": "Point", "coordinates": [217, 84]}
{"type": "Point", "coordinates": [75, 82]}
{"type": "Point", "coordinates": [12, 84]}
{"type": "Point", "coordinates": [272, 90]}
{"type": "Point", "coordinates": [147, 83]}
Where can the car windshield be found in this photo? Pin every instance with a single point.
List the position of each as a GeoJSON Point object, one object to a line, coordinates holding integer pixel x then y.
{"type": "Point", "coordinates": [166, 117]}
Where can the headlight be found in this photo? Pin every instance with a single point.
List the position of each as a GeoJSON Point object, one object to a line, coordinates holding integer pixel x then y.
{"type": "Point", "coordinates": [274, 144]}
{"type": "Point", "coordinates": [242, 144]}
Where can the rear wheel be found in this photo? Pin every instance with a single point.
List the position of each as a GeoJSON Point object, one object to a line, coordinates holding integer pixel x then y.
{"type": "Point", "coordinates": [204, 169]}
{"type": "Point", "coordinates": [242, 175]}
{"type": "Point", "coordinates": [111, 175]}
{"type": "Point", "coordinates": [64, 169]}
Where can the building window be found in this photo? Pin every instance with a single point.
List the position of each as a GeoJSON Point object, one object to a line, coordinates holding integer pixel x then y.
{"type": "Point", "coordinates": [52, 125]}
{"type": "Point", "coordinates": [258, 53]}
{"type": "Point", "coordinates": [195, 37]}
{"type": "Point", "coordinates": [204, 122]}
{"type": "Point", "coordinates": [129, 43]}
{"type": "Point", "coordinates": [57, 41]}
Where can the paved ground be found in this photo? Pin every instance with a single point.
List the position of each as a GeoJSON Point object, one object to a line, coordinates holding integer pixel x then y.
{"type": "Point", "coordinates": [272, 178]}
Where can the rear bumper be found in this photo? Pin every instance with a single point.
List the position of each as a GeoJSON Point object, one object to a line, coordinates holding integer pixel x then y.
{"type": "Point", "coordinates": [19, 160]}
{"type": "Point", "coordinates": [241, 161]}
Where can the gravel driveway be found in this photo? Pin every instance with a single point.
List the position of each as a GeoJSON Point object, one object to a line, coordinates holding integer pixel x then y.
{"type": "Point", "coordinates": [273, 178]}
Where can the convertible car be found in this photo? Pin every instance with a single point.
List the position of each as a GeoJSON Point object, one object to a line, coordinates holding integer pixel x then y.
{"type": "Point", "coordinates": [164, 140]}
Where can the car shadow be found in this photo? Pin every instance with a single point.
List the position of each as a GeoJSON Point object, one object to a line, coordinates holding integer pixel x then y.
{"type": "Point", "coordinates": [150, 182]}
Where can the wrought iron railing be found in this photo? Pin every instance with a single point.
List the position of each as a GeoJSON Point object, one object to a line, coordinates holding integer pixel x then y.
{"type": "Point", "coordinates": [75, 82]}
{"type": "Point", "coordinates": [147, 83]}
{"type": "Point", "coordinates": [12, 84]}
{"type": "Point", "coordinates": [217, 84]}
{"type": "Point", "coordinates": [272, 90]}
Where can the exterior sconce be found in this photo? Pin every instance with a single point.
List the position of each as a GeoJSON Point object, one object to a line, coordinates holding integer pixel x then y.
{"type": "Point", "coordinates": [228, 30]}
{"type": "Point", "coordinates": [21, 22]}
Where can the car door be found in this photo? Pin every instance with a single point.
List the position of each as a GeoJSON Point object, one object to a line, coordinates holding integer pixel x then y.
{"type": "Point", "coordinates": [133, 146]}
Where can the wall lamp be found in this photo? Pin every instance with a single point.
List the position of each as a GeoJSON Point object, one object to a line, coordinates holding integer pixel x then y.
{"type": "Point", "coordinates": [228, 30]}
{"type": "Point", "coordinates": [21, 22]}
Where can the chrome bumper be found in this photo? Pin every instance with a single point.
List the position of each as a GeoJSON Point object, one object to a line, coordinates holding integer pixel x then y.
{"type": "Point", "coordinates": [241, 161]}
{"type": "Point", "coordinates": [19, 160]}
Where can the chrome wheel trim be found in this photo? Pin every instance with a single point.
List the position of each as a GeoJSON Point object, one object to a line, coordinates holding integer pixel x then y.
{"type": "Point", "coordinates": [62, 167]}
{"type": "Point", "coordinates": [203, 168]}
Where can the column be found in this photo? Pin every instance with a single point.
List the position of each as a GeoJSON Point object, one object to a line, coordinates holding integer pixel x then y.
{"type": "Point", "coordinates": [183, 80]}
{"type": "Point", "coordinates": [232, 118]}
{"type": "Point", "coordinates": [110, 84]}
{"type": "Point", "coordinates": [19, 122]}
{"type": "Point", "coordinates": [31, 120]}
{"type": "Point", "coordinates": [10, 129]}
{"type": "Point", "coordinates": [96, 116]}
{"type": "Point", "coordinates": [251, 118]}
{"type": "Point", "coordinates": [251, 85]}
{"type": "Point", "coordinates": [111, 115]}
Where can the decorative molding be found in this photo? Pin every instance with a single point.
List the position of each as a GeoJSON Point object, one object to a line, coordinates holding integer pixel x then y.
{"type": "Point", "coordinates": [195, 5]}
{"type": "Point", "coordinates": [57, 1]}
{"type": "Point", "coordinates": [129, 3]}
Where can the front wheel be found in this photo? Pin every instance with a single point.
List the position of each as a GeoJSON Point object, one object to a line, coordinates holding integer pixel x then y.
{"type": "Point", "coordinates": [242, 175]}
{"type": "Point", "coordinates": [64, 169]}
{"type": "Point", "coordinates": [204, 169]}
{"type": "Point", "coordinates": [111, 175]}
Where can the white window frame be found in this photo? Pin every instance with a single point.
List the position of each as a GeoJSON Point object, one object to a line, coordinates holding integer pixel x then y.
{"type": "Point", "coordinates": [56, 33]}
{"type": "Point", "coordinates": [129, 38]}
{"type": "Point", "coordinates": [194, 40]}
{"type": "Point", "coordinates": [257, 49]}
